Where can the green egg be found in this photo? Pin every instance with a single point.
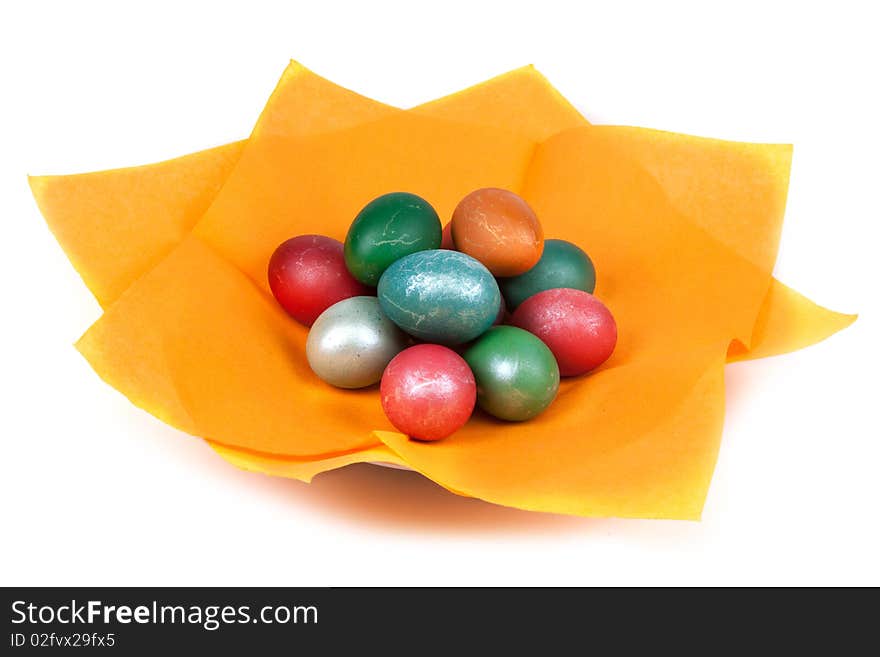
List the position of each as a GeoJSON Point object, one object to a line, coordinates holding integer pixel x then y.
{"type": "Point", "coordinates": [389, 227]}
{"type": "Point", "coordinates": [517, 375]}
{"type": "Point", "coordinates": [562, 264]}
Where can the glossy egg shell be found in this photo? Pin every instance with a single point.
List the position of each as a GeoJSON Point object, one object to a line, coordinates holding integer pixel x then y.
{"type": "Point", "coordinates": [577, 327]}
{"type": "Point", "coordinates": [440, 296]}
{"type": "Point", "coordinates": [428, 392]}
{"type": "Point", "coordinates": [517, 376]}
{"type": "Point", "coordinates": [352, 342]}
{"type": "Point", "coordinates": [386, 229]}
{"type": "Point", "coordinates": [307, 275]}
{"type": "Point", "coordinates": [498, 228]}
{"type": "Point", "coordinates": [562, 264]}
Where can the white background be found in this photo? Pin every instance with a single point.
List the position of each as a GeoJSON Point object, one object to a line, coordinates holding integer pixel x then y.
{"type": "Point", "coordinates": [94, 491]}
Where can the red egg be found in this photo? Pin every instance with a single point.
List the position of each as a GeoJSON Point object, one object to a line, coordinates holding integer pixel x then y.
{"type": "Point", "coordinates": [578, 328]}
{"type": "Point", "coordinates": [446, 238]}
{"type": "Point", "coordinates": [428, 392]}
{"type": "Point", "coordinates": [307, 275]}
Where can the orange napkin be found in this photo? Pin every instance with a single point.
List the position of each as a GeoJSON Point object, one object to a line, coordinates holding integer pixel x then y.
{"type": "Point", "coordinates": [683, 232]}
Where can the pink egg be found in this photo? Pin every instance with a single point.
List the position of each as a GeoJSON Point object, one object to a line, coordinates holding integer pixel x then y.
{"type": "Point", "coordinates": [307, 275]}
{"type": "Point", "coordinates": [428, 392]}
{"type": "Point", "coordinates": [578, 328]}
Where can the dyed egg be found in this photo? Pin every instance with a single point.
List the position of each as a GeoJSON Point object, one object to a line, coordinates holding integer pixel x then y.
{"type": "Point", "coordinates": [499, 229]}
{"type": "Point", "coordinates": [352, 342]}
{"type": "Point", "coordinates": [388, 228]}
{"type": "Point", "coordinates": [446, 238]}
{"type": "Point", "coordinates": [440, 296]}
{"type": "Point", "coordinates": [577, 327]}
{"type": "Point", "coordinates": [428, 392]}
{"type": "Point", "coordinates": [517, 376]}
{"type": "Point", "coordinates": [307, 275]}
{"type": "Point", "coordinates": [562, 264]}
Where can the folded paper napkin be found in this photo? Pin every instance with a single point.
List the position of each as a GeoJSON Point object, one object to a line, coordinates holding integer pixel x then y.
{"type": "Point", "coordinates": [683, 231]}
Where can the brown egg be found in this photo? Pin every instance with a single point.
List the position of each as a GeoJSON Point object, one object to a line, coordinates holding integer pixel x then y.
{"type": "Point", "coordinates": [499, 229]}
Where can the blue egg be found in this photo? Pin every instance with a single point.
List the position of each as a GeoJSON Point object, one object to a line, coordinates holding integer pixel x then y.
{"type": "Point", "coordinates": [440, 296]}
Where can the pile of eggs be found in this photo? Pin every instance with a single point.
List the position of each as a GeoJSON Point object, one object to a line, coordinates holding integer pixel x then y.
{"type": "Point", "coordinates": [484, 312]}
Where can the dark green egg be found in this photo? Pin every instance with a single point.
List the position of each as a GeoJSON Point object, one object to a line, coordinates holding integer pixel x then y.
{"type": "Point", "coordinates": [517, 375]}
{"type": "Point", "coordinates": [388, 228]}
{"type": "Point", "coordinates": [562, 264]}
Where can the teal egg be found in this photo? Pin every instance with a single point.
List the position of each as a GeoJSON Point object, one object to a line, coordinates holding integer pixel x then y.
{"type": "Point", "coordinates": [562, 264]}
{"type": "Point", "coordinates": [440, 296]}
{"type": "Point", "coordinates": [386, 229]}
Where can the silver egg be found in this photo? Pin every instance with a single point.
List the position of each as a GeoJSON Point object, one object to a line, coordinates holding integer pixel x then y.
{"type": "Point", "coordinates": [352, 341]}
